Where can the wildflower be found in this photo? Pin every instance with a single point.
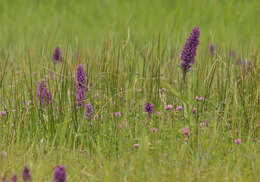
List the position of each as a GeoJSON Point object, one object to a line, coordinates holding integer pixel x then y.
{"type": "Point", "coordinates": [80, 97]}
{"type": "Point", "coordinates": [249, 64]}
{"type": "Point", "coordinates": [26, 174]}
{"type": "Point", "coordinates": [186, 130]}
{"type": "Point", "coordinates": [179, 108]}
{"type": "Point", "coordinates": [3, 113]}
{"type": "Point", "coordinates": [81, 77]}
{"type": "Point", "coordinates": [120, 125]}
{"type": "Point", "coordinates": [238, 141]}
{"type": "Point", "coordinates": [80, 86]}
{"type": "Point", "coordinates": [223, 103]}
{"type": "Point", "coordinates": [194, 110]}
{"type": "Point", "coordinates": [14, 178]}
{"type": "Point", "coordinates": [100, 117]}
{"type": "Point", "coordinates": [189, 52]}
{"type": "Point", "coordinates": [202, 124]}
{"type": "Point", "coordinates": [212, 50]}
{"type": "Point", "coordinates": [60, 174]}
{"type": "Point", "coordinates": [205, 123]}
{"type": "Point", "coordinates": [117, 114]}
{"type": "Point", "coordinates": [136, 145]}
{"type": "Point", "coordinates": [89, 111]}
{"type": "Point", "coordinates": [43, 94]}
{"type": "Point", "coordinates": [29, 102]}
{"type": "Point", "coordinates": [163, 90]}
{"type": "Point", "coordinates": [154, 130]}
{"type": "Point", "coordinates": [158, 113]}
{"type": "Point", "coordinates": [199, 98]}
{"type": "Point", "coordinates": [232, 53]}
{"type": "Point", "coordinates": [168, 107]}
{"type": "Point", "coordinates": [57, 55]}
{"type": "Point", "coordinates": [245, 65]}
{"type": "Point", "coordinates": [3, 154]}
{"type": "Point", "coordinates": [148, 108]}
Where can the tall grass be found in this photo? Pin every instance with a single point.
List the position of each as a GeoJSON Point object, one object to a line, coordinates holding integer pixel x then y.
{"type": "Point", "coordinates": [131, 55]}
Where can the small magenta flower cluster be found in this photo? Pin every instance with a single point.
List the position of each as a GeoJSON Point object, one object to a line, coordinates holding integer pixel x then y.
{"type": "Point", "coordinates": [59, 175]}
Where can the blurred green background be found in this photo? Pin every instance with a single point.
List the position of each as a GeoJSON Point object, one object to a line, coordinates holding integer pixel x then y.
{"type": "Point", "coordinates": [34, 23]}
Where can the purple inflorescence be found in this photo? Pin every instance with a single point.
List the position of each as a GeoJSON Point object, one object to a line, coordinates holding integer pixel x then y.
{"type": "Point", "coordinates": [80, 86]}
{"type": "Point", "coordinates": [43, 94]}
{"type": "Point", "coordinates": [57, 55]}
{"type": "Point", "coordinates": [81, 76]}
{"type": "Point", "coordinates": [60, 174]}
{"type": "Point", "coordinates": [26, 174]}
{"type": "Point", "coordinates": [148, 108]}
{"type": "Point", "coordinates": [14, 178]}
{"type": "Point", "coordinates": [80, 96]}
{"type": "Point", "coordinates": [89, 111]}
{"type": "Point", "coordinates": [189, 52]}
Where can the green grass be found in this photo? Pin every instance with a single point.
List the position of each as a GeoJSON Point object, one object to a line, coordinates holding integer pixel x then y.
{"type": "Point", "coordinates": [130, 51]}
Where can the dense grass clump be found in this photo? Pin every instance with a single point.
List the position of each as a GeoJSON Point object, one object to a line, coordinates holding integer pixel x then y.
{"type": "Point", "coordinates": [121, 110]}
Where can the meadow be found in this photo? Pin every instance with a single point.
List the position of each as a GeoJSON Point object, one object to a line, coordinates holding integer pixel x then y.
{"type": "Point", "coordinates": [95, 89]}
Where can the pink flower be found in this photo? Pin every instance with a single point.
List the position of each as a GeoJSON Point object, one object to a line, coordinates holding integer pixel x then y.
{"type": "Point", "coordinates": [186, 130]}
{"type": "Point", "coordinates": [179, 108]}
{"type": "Point", "coordinates": [205, 123]}
{"type": "Point", "coordinates": [238, 141]}
{"type": "Point", "coordinates": [29, 102]}
{"type": "Point", "coordinates": [136, 145]}
{"type": "Point", "coordinates": [158, 113]}
{"type": "Point", "coordinates": [100, 117]}
{"type": "Point", "coordinates": [202, 124]}
{"type": "Point", "coordinates": [117, 114]}
{"type": "Point", "coordinates": [120, 125]}
{"type": "Point", "coordinates": [163, 90]}
{"type": "Point", "coordinates": [199, 98]}
{"type": "Point", "coordinates": [154, 130]}
{"type": "Point", "coordinates": [3, 154]}
{"type": "Point", "coordinates": [194, 110]}
{"type": "Point", "coordinates": [3, 113]}
{"type": "Point", "coordinates": [168, 107]}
